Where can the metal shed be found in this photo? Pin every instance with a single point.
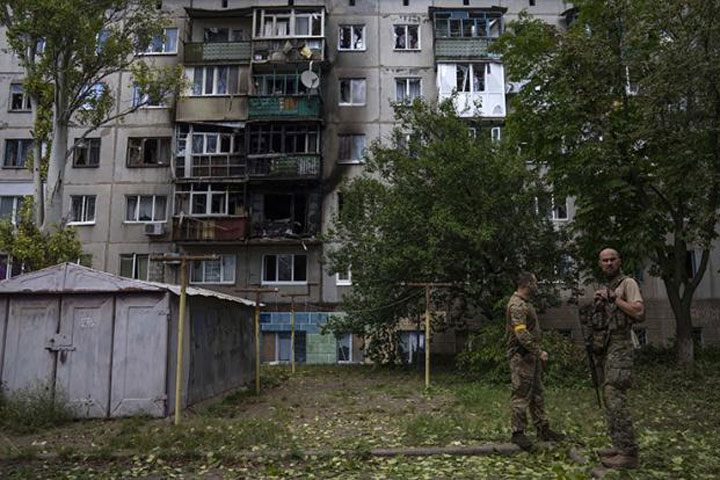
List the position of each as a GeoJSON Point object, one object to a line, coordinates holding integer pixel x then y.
{"type": "Point", "coordinates": [109, 342]}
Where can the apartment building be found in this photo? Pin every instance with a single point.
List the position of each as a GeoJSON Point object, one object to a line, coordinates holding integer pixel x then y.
{"type": "Point", "coordinates": [283, 98]}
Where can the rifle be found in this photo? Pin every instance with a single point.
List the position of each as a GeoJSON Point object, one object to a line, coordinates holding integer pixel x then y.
{"type": "Point", "coordinates": [590, 351]}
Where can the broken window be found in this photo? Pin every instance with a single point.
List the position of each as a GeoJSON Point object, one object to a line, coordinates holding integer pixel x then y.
{"type": "Point", "coordinates": [86, 152]}
{"type": "Point", "coordinates": [407, 37]}
{"type": "Point", "coordinates": [148, 152]}
{"type": "Point", "coordinates": [352, 148]}
{"type": "Point", "coordinates": [279, 84]}
{"type": "Point", "coordinates": [82, 209]}
{"type": "Point", "coordinates": [407, 89]}
{"type": "Point", "coordinates": [351, 37]}
{"type": "Point", "coordinates": [217, 80]}
{"type": "Point", "coordinates": [165, 42]}
{"type": "Point", "coordinates": [470, 77]}
{"type": "Point", "coordinates": [274, 138]}
{"type": "Point", "coordinates": [134, 265]}
{"type": "Point", "coordinates": [352, 91]}
{"type": "Point", "coordinates": [146, 208]}
{"type": "Point", "coordinates": [284, 268]}
{"type": "Point", "coordinates": [141, 99]}
{"type": "Point", "coordinates": [223, 35]}
{"type": "Point", "coordinates": [16, 152]}
{"type": "Point", "coordinates": [344, 348]}
{"type": "Point", "coordinates": [464, 24]}
{"type": "Point", "coordinates": [19, 101]}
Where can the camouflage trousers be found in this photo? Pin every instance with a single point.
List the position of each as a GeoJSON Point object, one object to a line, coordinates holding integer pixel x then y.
{"type": "Point", "coordinates": [615, 375]}
{"type": "Point", "coordinates": [527, 392]}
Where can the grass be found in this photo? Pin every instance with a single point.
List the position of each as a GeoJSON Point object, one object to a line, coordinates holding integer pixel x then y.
{"type": "Point", "coordinates": [33, 409]}
{"type": "Point", "coordinates": [355, 409]}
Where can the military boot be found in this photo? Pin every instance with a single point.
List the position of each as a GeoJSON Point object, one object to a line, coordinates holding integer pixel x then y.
{"type": "Point", "coordinates": [519, 439]}
{"type": "Point", "coordinates": [546, 434]}
{"type": "Point", "coordinates": [620, 460]}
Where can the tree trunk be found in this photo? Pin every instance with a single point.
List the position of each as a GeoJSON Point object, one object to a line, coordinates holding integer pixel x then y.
{"type": "Point", "coordinates": [683, 322]}
{"type": "Point", "coordinates": [38, 193]}
{"type": "Point", "coordinates": [58, 152]}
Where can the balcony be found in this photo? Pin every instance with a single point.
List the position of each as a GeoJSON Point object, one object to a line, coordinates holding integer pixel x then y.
{"type": "Point", "coordinates": [464, 49]}
{"type": "Point", "coordinates": [284, 228]}
{"type": "Point", "coordinates": [211, 167]}
{"type": "Point", "coordinates": [212, 108]}
{"type": "Point", "coordinates": [288, 50]}
{"type": "Point", "coordinates": [229, 52]}
{"type": "Point", "coordinates": [286, 166]}
{"type": "Point", "coordinates": [278, 107]}
{"type": "Point", "coordinates": [202, 229]}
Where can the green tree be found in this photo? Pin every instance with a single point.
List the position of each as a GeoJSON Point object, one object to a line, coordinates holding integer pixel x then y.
{"type": "Point", "coordinates": [71, 52]}
{"type": "Point", "coordinates": [623, 110]}
{"type": "Point", "coordinates": [435, 203]}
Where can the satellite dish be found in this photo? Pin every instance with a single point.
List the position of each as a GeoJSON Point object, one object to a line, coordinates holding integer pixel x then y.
{"type": "Point", "coordinates": [310, 79]}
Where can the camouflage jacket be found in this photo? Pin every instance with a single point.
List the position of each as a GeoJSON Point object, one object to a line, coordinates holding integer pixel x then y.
{"type": "Point", "coordinates": [523, 329]}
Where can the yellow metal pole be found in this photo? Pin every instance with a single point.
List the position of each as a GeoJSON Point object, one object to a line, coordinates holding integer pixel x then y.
{"type": "Point", "coordinates": [427, 336]}
{"type": "Point", "coordinates": [257, 344]}
{"type": "Point", "coordinates": [292, 333]}
{"type": "Point", "coordinates": [180, 339]}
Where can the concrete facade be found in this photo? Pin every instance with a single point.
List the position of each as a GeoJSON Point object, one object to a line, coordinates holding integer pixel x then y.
{"type": "Point", "coordinates": [214, 178]}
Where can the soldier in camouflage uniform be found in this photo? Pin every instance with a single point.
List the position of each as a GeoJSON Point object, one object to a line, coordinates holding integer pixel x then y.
{"type": "Point", "coordinates": [526, 362]}
{"type": "Point", "coordinates": [617, 305]}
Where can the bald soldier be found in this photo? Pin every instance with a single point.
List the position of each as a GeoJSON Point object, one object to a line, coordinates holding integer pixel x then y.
{"type": "Point", "coordinates": [618, 305]}
{"type": "Point", "coordinates": [526, 363]}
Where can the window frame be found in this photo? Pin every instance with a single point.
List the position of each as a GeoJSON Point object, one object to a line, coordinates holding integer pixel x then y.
{"type": "Point", "coordinates": [142, 148]}
{"type": "Point", "coordinates": [352, 28]}
{"type": "Point", "coordinates": [17, 201]}
{"type": "Point", "coordinates": [164, 43]}
{"type": "Point", "coordinates": [343, 282]}
{"type": "Point", "coordinates": [84, 211]}
{"type": "Point", "coordinates": [351, 161]}
{"type": "Point", "coordinates": [223, 270]}
{"type": "Point", "coordinates": [12, 268]}
{"type": "Point", "coordinates": [407, 27]}
{"type": "Point", "coordinates": [86, 144]}
{"type": "Point", "coordinates": [407, 81]}
{"type": "Point", "coordinates": [144, 101]}
{"type": "Point", "coordinates": [351, 90]}
{"type": "Point", "coordinates": [135, 265]}
{"type": "Point", "coordinates": [265, 281]}
{"type": "Point", "coordinates": [25, 99]}
{"type": "Point", "coordinates": [138, 201]}
{"type": "Point", "coordinates": [23, 148]}
{"type": "Point", "coordinates": [230, 89]}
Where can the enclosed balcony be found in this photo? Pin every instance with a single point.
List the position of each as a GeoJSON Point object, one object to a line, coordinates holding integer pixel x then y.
{"type": "Point", "coordinates": [220, 229]}
{"type": "Point", "coordinates": [284, 167]}
{"type": "Point", "coordinates": [464, 48]}
{"type": "Point", "coordinates": [278, 107]}
{"type": "Point", "coordinates": [216, 52]}
{"type": "Point", "coordinates": [467, 34]}
{"type": "Point", "coordinates": [283, 35]}
{"type": "Point", "coordinates": [211, 166]}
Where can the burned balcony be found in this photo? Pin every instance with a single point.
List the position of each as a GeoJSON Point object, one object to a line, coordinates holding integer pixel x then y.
{"type": "Point", "coordinates": [301, 107]}
{"type": "Point", "coordinates": [467, 34]}
{"type": "Point", "coordinates": [287, 35]}
{"type": "Point", "coordinates": [209, 152]}
{"type": "Point", "coordinates": [284, 166]}
{"type": "Point", "coordinates": [221, 229]}
{"type": "Point", "coordinates": [294, 214]}
{"type": "Point", "coordinates": [211, 166]}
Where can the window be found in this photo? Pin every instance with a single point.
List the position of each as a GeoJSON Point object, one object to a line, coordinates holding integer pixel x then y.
{"type": "Point", "coordinates": [165, 42]}
{"type": "Point", "coordinates": [288, 23]}
{"type": "Point", "coordinates": [351, 37]}
{"type": "Point", "coordinates": [352, 148]}
{"type": "Point", "coordinates": [206, 201]}
{"type": "Point", "coordinates": [275, 138]}
{"type": "Point", "coordinates": [407, 37]}
{"type": "Point", "coordinates": [352, 92]}
{"type": "Point", "coordinates": [412, 346]}
{"type": "Point", "coordinates": [352, 3]}
{"type": "Point", "coordinates": [140, 99]}
{"type": "Point", "coordinates": [148, 152]}
{"type": "Point", "coordinates": [223, 35]}
{"type": "Point", "coordinates": [9, 268]}
{"type": "Point", "coordinates": [146, 208]}
{"type": "Point", "coordinates": [134, 265]}
{"type": "Point", "coordinates": [470, 77]}
{"type": "Point", "coordinates": [344, 348]}
{"type": "Point", "coordinates": [279, 84]}
{"type": "Point", "coordinates": [464, 24]}
{"type": "Point", "coordinates": [344, 278]}
{"type": "Point", "coordinates": [86, 152]}
{"type": "Point", "coordinates": [221, 270]}
{"type": "Point", "coordinates": [495, 134]}
{"type": "Point", "coordinates": [92, 96]}
{"type": "Point", "coordinates": [407, 89]}
{"type": "Point", "coordinates": [10, 209]}
{"type": "Point", "coordinates": [284, 268]}
{"type": "Point", "coordinates": [16, 152]}
{"type": "Point", "coordinates": [85, 259]}
{"type": "Point", "coordinates": [552, 208]}
{"type": "Point", "coordinates": [19, 100]}
{"type": "Point", "coordinates": [219, 80]}
{"type": "Point", "coordinates": [82, 209]}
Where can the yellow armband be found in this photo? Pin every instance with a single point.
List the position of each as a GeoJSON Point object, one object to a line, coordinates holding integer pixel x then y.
{"type": "Point", "coordinates": [521, 326]}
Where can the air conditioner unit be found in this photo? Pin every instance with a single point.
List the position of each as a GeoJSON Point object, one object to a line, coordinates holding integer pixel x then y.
{"type": "Point", "coordinates": [154, 229]}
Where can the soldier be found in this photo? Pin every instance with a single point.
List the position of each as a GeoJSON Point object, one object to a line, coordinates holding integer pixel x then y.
{"type": "Point", "coordinates": [526, 362]}
{"type": "Point", "coordinates": [618, 305]}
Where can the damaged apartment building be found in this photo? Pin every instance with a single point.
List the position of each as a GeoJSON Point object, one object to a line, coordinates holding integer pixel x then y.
{"type": "Point", "coordinates": [282, 99]}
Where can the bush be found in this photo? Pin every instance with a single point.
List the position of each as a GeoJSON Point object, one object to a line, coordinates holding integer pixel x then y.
{"type": "Point", "coordinates": [486, 358]}
{"type": "Point", "coordinates": [32, 409]}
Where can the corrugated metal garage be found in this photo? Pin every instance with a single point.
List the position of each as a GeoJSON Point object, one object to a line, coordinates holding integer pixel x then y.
{"type": "Point", "coordinates": [109, 342]}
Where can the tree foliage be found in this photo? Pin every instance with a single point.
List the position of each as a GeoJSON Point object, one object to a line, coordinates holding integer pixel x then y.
{"type": "Point", "coordinates": [437, 204]}
{"type": "Point", "coordinates": [72, 52]}
{"type": "Point", "coordinates": [623, 109]}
